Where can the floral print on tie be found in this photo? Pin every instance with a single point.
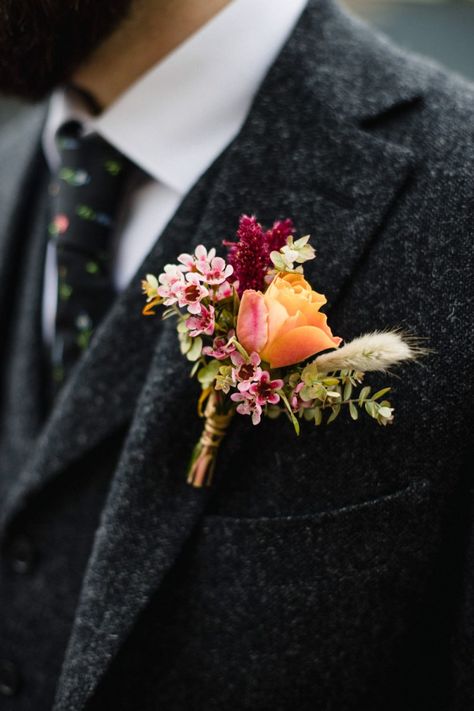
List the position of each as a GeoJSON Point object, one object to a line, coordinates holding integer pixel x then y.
{"type": "Point", "coordinates": [85, 193]}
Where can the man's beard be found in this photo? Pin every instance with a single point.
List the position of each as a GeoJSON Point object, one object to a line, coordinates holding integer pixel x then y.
{"type": "Point", "coordinates": [42, 42]}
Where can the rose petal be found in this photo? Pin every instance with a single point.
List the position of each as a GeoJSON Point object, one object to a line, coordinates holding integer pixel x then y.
{"type": "Point", "coordinates": [277, 317]}
{"type": "Point", "coordinates": [298, 345]}
{"type": "Point", "coordinates": [252, 330]}
{"type": "Point", "coordinates": [290, 323]}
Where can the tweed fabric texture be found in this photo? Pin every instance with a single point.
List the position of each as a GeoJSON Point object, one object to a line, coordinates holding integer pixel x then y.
{"type": "Point", "coordinates": [330, 572]}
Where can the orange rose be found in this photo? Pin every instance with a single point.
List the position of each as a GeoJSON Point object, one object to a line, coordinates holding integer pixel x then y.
{"type": "Point", "coordinates": [284, 325]}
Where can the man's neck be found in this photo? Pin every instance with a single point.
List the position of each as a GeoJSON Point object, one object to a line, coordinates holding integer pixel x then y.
{"type": "Point", "coordinates": [152, 31]}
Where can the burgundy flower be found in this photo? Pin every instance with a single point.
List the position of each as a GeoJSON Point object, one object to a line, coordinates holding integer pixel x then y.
{"type": "Point", "coordinates": [277, 237]}
{"type": "Point", "coordinates": [250, 255]}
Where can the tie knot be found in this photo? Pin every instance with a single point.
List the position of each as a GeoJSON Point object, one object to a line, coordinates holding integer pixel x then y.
{"type": "Point", "coordinates": [87, 156]}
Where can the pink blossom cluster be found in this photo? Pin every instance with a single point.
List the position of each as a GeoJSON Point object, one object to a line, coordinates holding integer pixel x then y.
{"type": "Point", "coordinates": [255, 387]}
{"type": "Point", "coordinates": [197, 277]}
{"type": "Point", "coordinates": [250, 255]}
{"type": "Point", "coordinates": [296, 401]}
{"type": "Point", "coordinates": [222, 348]}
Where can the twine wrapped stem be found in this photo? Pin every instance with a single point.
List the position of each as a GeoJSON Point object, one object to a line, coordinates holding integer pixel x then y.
{"type": "Point", "coordinates": [216, 424]}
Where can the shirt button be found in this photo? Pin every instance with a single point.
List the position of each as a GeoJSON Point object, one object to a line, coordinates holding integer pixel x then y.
{"type": "Point", "coordinates": [22, 555]}
{"type": "Point", "coordinates": [9, 678]}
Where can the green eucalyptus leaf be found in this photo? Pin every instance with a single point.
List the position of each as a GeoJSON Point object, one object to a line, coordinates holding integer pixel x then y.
{"type": "Point", "coordinates": [310, 374]}
{"type": "Point", "coordinates": [195, 369]}
{"type": "Point", "coordinates": [347, 391]}
{"type": "Point", "coordinates": [381, 393]}
{"type": "Point", "coordinates": [185, 344]}
{"type": "Point", "coordinates": [371, 409]}
{"type": "Point", "coordinates": [294, 379]}
{"type": "Point", "coordinates": [308, 393]}
{"type": "Point", "coordinates": [208, 374]}
{"type": "Point", "coordinates": [194, 353]}
{"type": "Point", "coordinates": [353, 411]}
{"type": "Point", "coordinates": [364, 394]}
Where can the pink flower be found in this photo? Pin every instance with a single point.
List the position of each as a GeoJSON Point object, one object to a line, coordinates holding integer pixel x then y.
{"type": "Point", "coordinates": [264, 390]}
{"type": "Point", "coordinates": [203, 257]}
{"type": "Point", "coordinates": [190, 293]}
{"type": "Point", "coordinates": [216, 271]}
{"type": "Point", "coordinates": [210, 268]}
{"type": "Point", "coordinates": [193, 262]}
{"type": "Point", "coordinates": [296, 402]}
{"type": "Point", "coordinates": [170, 280]}
{"type": "Point", "coordinates": [221, 348]}
{"type": "Point", "coordinates": [245, 372]}
{"type": "Point", "coordinates": [204, 322]}
{"type": "Point", "coordinates": [260, 393]}
{"type": "Point", "coordinates": [188, 262]}
{"type": "Point", "coordinates": [248, 406]}
{"type": "Point", "coordinates": [224, 291]}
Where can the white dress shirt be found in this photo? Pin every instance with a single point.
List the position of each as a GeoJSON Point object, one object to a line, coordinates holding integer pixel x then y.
{"type": "Point", "coordinates": [175, 121]}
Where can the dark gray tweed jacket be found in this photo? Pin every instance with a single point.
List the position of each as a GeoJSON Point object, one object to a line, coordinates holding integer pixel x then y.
{"type": "Point", "coordinates": [334, 572]}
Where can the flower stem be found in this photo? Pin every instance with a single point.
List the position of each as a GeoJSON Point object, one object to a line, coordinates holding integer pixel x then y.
{"type": "Point", "coordinates": [216, 424]}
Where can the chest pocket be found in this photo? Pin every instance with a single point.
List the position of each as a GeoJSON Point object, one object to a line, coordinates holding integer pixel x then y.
{"type": "Point", "coordinates": [381, 532]}
{"type": "Point", "coordinates": [315, 604]}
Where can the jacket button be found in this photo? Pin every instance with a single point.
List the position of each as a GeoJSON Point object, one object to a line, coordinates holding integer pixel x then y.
{"type": "Point", "coordinates": [9, 678]}
{"type": "Point", "coordinates": [22, 555]}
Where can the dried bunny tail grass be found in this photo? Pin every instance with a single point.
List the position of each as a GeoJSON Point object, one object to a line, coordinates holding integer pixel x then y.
{"type": "Point", "coordinates": [380, 350]}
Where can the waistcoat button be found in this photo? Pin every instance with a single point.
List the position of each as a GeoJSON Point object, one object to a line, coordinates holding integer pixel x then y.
{"type": "Point", "coordinates": [9, 678]}
{"type": "Point", "coordinates": [21, 555]}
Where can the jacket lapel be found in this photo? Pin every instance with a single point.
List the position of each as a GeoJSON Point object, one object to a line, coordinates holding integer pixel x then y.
{"type": "Point", "coordinates": [302, 154]}
{"type": "Point", "coordinates": [101, 396]}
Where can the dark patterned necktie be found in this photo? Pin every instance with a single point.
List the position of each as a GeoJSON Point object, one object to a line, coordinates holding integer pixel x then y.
{"type": "Point", "coordinates": [85, 196]}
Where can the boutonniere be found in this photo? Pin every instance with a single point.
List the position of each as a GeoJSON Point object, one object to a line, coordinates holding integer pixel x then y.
{"type": "Point", "coordinates": [261, 346]}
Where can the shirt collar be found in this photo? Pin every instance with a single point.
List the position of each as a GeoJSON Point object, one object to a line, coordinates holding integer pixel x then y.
{"type": "Point", "coordinates": [179, 116]}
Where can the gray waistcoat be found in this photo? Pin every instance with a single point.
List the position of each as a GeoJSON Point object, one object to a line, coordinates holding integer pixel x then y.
{"type": "Point", "coordinates": [52, 538]}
